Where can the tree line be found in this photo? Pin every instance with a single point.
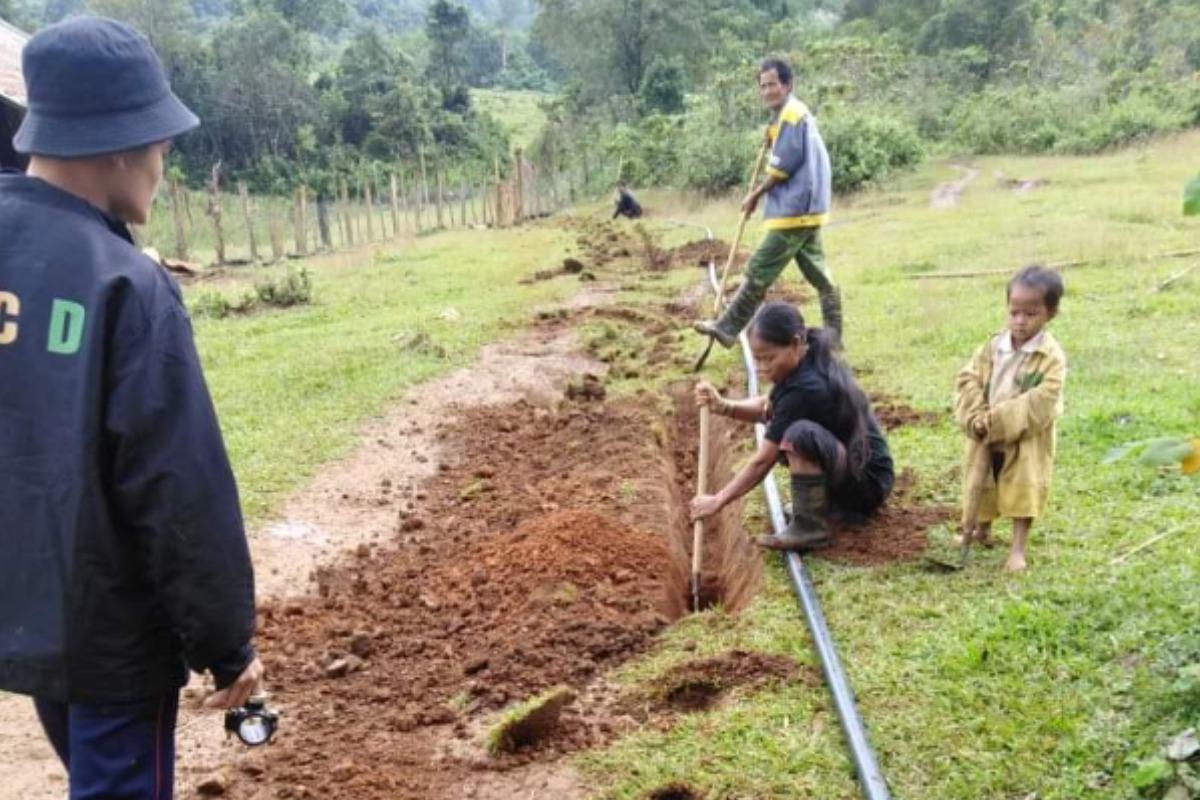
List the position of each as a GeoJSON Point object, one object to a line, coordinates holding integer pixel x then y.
{"type": "Point", "coordinates": [668, 86]}
{"type": "Point", "coordinates": [316, 91]}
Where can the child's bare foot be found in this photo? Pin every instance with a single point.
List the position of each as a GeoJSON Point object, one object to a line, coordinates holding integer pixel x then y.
{"type": "Point", "coordinates": [1015, 563]}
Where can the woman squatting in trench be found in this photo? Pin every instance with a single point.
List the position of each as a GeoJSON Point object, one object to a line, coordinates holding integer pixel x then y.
{"type": "Point", "coordinates": [819, 422]}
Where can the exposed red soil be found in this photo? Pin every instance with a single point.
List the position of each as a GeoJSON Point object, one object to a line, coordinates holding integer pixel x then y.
{"type": "Point", "coordinates": [897, 532]}
{"type": "Point", "coordinates": [893, 413]}
{"type": "Point", "coordinates": [552, 548]}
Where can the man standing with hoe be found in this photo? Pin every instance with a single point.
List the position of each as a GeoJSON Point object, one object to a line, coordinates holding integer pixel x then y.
{"type": "Point", "coordinates": [798, 191]}
{"type": "Point", "coordinates": [123, 559]}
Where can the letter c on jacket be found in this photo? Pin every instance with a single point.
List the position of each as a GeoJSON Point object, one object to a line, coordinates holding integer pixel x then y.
{"type": "Point", "coordinates": [10, 308]}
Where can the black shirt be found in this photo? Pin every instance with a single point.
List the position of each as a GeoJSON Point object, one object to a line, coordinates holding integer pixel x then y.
{"type": "Point", "coordinates": [806, 394]}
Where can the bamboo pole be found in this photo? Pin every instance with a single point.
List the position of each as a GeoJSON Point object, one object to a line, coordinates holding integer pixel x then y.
{"type": "Point", "coordinates": [364, 191]}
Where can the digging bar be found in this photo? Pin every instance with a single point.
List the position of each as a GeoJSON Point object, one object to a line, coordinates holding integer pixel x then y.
{"type": "Point", "coordinates": [698, 525]}
{"type": "Point", "coordinates": [719, 300]}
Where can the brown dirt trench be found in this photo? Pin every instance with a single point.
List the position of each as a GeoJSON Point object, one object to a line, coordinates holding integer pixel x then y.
{"type": "Point", "coordinates": [461, 559]}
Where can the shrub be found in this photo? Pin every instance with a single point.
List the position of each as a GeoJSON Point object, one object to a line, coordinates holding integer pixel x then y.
{"type": "Point", "coordinates": [294, 288]}
{"type": "Point", "coordinates": [865, 146]}
{"type": "Point", "coordinates": [716, 158]}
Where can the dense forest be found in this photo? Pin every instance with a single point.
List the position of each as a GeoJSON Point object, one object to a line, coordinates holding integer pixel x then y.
{"type": "Point", "coordinates": [665, 88]}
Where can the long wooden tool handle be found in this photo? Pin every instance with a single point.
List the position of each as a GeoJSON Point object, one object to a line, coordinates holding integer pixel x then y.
{"type": "Point", "coordinates": [698, 526]}
{"type": "Point", "coordinates": [737, 240]}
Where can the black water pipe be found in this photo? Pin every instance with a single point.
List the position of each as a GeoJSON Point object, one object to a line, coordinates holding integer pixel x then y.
{"type": "Point", "coordinates": [870, 778]}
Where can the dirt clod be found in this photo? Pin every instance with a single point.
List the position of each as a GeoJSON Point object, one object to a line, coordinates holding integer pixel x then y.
{"type": "Point", "coordinates": [214, 784]}
{"type": "Point", "coordinates": [587, 387]}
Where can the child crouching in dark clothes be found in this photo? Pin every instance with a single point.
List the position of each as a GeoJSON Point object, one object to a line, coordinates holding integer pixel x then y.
{"type": "Point", "coordinates": [819, 422]}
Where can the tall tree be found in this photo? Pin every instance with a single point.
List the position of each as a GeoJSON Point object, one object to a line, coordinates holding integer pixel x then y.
{"type": "Point", "coordinates": [608, 45]}
{"type": "Point", "coordinates": [168, 24]}
{"type": "Point", "coordinates": [448, 28]}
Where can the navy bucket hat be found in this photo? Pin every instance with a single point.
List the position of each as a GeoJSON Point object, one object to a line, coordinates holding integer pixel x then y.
{"type": "Point", "coordinates": [96, 86]}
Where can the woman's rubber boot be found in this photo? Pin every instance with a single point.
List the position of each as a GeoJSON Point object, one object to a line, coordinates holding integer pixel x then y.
{"type": "Point", "coordinates": [737, 315]}
{"type": "Point", "coordinates": [831, 314]}
{"type": "Point", "coordinates": [809, 527]}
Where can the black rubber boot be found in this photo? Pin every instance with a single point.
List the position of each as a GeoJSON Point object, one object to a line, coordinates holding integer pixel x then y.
{"type": "Point", "coordinates": [737, 315]}
{"type": "Point", "coordinates": [809, 527]}
{"type": "Point", "coordinates": [831, 313]}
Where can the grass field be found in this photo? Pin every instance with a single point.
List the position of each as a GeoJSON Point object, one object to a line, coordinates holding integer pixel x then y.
{"type": "Point", "coordinates": [1056, 684]}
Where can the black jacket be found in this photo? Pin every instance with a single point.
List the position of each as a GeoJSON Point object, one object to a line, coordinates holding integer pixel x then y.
{"type": "Point", "coordinates": [123, 559]}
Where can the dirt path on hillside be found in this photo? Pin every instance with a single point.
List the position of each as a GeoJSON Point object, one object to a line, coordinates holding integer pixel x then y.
{"type": "Point", "coordinates": [947, 195]}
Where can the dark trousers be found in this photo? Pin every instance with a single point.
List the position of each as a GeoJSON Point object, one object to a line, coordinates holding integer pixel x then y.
{"type": "Point", "coordinates": [115, 751]}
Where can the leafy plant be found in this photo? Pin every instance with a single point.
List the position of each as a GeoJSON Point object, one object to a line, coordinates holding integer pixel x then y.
{"type": "Point", "coordinates": [1161, 452]}
{"type": "Point", "coordinates": [293, 289]}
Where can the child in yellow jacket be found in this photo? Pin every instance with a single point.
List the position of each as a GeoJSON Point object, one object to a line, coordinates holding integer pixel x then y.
{"type": "Point", "coordinates": [1006, 400]}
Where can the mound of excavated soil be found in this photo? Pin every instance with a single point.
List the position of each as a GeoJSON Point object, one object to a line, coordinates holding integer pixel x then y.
{"type": "Point", "coordinates": [545, 549]}
{"type": "Point", "coordinates": [701, 251]}
{"type": "Point", "coordinates": [893, 413]}
{"type": "Point", "coordinates": [897, 532]}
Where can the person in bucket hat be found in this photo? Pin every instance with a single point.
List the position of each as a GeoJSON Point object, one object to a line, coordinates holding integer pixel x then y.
{"type": "Point", "coordinates": [123, 556]}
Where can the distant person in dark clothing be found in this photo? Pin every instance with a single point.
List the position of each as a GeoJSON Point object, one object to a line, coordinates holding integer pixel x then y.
{"type": "Point", "coordinates": [123, 557]}
{"type": "Point", "coordinates": [627, 206]}
{"type": "Point", "coordinates": [819, 422]}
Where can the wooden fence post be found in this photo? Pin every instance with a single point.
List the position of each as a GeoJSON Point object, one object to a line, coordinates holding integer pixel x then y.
{"type": "Point", "coordinates": [181, 245]}
{"type": "Point", "coordinates": [275, 230]}
{"type": "Point", "coordinates": [298, 222]}
{"type": "Point", "coordinates": [519, 207]}
{"type": "Point", "coordinates": [323, 221]}
{"type": "Point", "coordinates": [245, 195]}
{"type": "Point", "coordinates": [423, 194]}
{"type": "Point", "coordinates": [462, 209]}
{"type": "Point", "coordinates": [214, 211]}
{"type": "Point", "coordinates": [439, 170]}
{"type": "Point", "coordinates": [420, 204]}
{"type": "Point", "coordinates": [380, 207]}
{"type": "Point", "coordinates": [365, 192]}
{"type": "Point", "coordinates": [347, 218]}
{"type": "Point", "coordinates": [499, 193]}
{"type": "Point", "coordinates": [395, 207]}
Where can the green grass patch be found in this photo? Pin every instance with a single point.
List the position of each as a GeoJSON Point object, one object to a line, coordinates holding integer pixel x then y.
{"type": "Point", "coordinates": [1066, 682]}
{"type": "Point", "coordinates": [292, 386]}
